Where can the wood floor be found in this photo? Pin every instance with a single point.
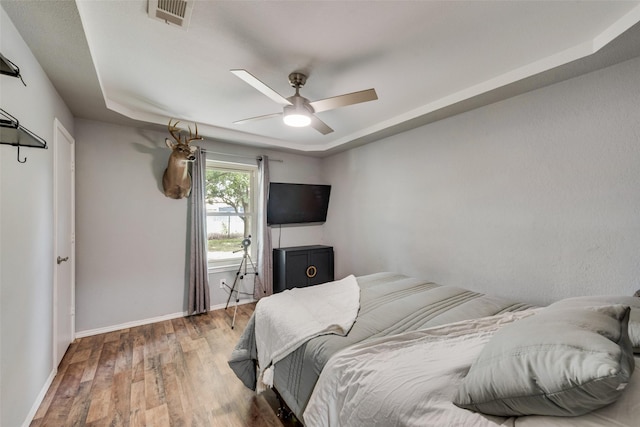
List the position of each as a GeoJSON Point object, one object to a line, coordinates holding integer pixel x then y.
{"type": "Point", "coordinates": [170, 373]}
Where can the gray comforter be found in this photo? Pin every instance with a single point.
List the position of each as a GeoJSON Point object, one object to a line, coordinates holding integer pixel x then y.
{"type": "Point", "coordinates": [389, 304]}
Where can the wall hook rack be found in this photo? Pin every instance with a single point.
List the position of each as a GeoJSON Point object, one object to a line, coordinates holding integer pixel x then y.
{"type": "Point", "coordinates": [18, 157]}
{"type": "Point", "coordinates": [13, 133]}
{"type": "Point", "coordinates": [10, 69]}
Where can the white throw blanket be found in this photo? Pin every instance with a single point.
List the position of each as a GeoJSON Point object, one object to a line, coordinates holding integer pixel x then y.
{"type": "Point", "coordinates": [286, 320]}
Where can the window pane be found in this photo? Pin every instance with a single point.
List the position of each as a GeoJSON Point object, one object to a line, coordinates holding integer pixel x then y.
{"type": "Point", "coordinates": [229, 198]}
{"type": "Point", "coordinates": [225, 234]}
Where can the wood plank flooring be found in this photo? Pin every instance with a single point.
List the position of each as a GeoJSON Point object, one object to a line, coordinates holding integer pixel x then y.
{"type": "Point", "coordinates": [170, 373]}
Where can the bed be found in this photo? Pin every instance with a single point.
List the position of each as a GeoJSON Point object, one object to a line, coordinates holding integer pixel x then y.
{"type": "Point", "coordinates": [327, 380]}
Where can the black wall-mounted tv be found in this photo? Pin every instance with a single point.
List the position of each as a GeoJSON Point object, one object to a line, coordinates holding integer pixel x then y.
{"type": "Point", "coordinates": [297, 203]}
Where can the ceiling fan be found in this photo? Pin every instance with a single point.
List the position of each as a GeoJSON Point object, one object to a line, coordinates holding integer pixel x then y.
{"type": "Point", "coordinates": [297, 110]}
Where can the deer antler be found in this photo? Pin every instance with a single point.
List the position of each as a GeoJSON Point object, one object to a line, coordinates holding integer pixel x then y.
{"type": "Point", "coordinates": [173, 128]}
{"type": "Point", "coordinates": [191, 137]}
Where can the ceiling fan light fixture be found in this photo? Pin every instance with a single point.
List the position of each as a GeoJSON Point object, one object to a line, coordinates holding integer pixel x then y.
{"type": "Point", "coordinates": [296, 117]}
{"type": "Point", "coordinates": [298, 114]}
{"type": "Point", "coordinates": [297, 111]}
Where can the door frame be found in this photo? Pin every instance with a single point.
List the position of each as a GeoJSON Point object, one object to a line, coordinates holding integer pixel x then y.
{"type": "Point", "coordinates": [59, 128]}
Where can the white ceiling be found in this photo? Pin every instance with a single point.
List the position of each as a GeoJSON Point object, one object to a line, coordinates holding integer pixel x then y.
{"type": "Point", "coordinates": [422, 57]}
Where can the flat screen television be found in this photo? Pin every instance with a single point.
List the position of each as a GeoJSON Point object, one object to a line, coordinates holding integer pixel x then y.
{"type": "Point", "coordinates": [297, 203]}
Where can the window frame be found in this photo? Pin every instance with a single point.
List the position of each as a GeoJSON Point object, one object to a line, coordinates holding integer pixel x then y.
{"type": "Point", "coordinates": [230, 264]}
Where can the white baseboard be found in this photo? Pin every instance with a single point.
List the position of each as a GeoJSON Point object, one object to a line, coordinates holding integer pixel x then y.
{"type": "Point", "coordinates": [126, 325]}
{"type": "Point", "coordinates": [39, 399]}
{"type": "Point", "coordinates": [106, 329]}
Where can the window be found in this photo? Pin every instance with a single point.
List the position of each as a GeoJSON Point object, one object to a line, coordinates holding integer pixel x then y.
{"type": "Point", "coordinates": [230, 203]}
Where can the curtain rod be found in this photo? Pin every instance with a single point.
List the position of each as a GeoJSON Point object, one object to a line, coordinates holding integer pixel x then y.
{"type": "Point", "coordinates": [242, 156]}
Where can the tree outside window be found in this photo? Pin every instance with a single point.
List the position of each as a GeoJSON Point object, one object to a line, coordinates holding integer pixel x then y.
{"type": "Point", "coordinates": [229, 198]}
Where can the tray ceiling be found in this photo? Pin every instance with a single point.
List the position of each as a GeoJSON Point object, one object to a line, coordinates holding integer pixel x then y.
{"type": "Point", "coordinates": [422, 57]}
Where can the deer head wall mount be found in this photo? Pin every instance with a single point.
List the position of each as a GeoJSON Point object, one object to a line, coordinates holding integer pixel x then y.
{"type": "Point", "coordinates": [176, 180]}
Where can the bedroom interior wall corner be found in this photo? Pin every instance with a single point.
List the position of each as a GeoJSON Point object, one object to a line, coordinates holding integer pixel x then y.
{"type": "Point", "coordinates": [533, 198]}
{"type": "Point", "coordinates": [26, 247]}
{"type": "Point", "coordinates": [131, 238]}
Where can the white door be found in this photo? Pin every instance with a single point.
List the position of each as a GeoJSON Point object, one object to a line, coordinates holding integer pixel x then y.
{"type": "Point", "coordinates": [64, 242]}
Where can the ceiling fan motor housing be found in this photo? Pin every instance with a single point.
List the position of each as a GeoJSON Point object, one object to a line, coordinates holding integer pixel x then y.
{"type": "Point", "coordinates": [299, 102]}
{"type": "Point", "coordinates": [297, 80]}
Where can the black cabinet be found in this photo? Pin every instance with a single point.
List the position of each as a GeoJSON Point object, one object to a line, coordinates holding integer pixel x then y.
{"type": "Point", "coordinates": [300, 266]}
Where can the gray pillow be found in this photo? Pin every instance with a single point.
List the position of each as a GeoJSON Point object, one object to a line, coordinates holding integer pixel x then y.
{"type": "Point", "coordinates": [600, 300]}
{"type": "Point", "coordinates": [556, 362]}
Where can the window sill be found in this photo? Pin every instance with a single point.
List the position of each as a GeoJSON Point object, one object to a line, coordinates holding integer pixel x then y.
{"type": "Point", "coordinates": [221, 268]}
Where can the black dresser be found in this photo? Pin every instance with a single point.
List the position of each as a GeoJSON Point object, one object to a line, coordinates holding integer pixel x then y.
{"type": "Point", "coordinates": [300, 266]}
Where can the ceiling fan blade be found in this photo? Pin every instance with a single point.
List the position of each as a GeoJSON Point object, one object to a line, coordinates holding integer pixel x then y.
{"type": "Point", "coordinates": [257, 84]}
{"type": "Point", "coordinates": [253, 119]}
{"type": "Point", "coordinates": [344, 100]}
{"type": "Point", "coordinates": [320, 126]}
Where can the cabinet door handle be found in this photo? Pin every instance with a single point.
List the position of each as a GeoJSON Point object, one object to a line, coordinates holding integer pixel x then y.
{"type": "Point", "coordinates": [61, 260]}
{"type": "Point", "coordinates": [312, 271]}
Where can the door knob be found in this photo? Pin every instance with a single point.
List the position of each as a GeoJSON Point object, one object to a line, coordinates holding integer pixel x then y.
{"type": "Point", "coordinates": [61, 260]}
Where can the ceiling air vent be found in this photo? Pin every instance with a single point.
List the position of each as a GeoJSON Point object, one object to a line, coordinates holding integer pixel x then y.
{"type": "Point", "coordinates": [176, 12]}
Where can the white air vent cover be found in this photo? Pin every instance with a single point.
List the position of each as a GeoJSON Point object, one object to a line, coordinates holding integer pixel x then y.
{"type": "Point", "coordinates": [176, 12]}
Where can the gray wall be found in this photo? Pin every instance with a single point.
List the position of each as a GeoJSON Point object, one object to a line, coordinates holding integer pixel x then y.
{"type": "Point", "coordinates": [131, 239]}
{"type": "Point", "coordinates": [26, 234]}
{"type": "Point", "coordinates": [536, 197]}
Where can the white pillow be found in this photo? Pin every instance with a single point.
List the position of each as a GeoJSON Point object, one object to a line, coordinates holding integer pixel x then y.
{"type": "Point", "coordinates": [557, 362]}
{"type": "Point", "coordinates": [604, 300]}
{"type": "Point", "coordinates": [624, 412]}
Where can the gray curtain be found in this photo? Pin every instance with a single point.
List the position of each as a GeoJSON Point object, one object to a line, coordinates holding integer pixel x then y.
{"type": "Point", "coordinates": [265, 260]}
{"type": "Point", "coordinates": [198, 301]}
